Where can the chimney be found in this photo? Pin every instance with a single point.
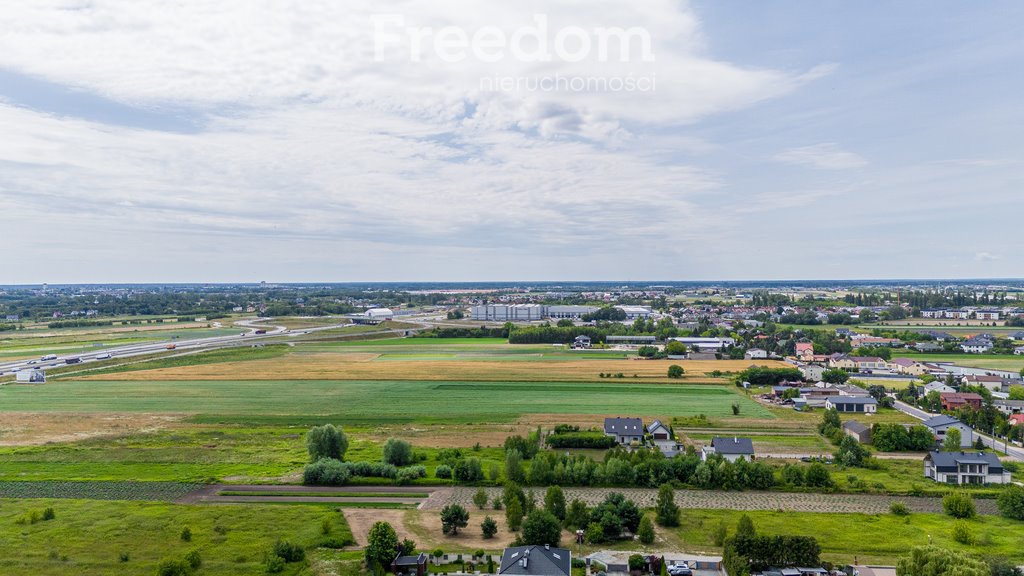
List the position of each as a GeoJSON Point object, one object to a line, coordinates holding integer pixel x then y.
{"type": "Point", "coordinates": [547, 546]}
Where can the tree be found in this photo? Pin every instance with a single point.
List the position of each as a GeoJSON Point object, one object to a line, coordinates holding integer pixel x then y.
{"type": "Point", "coordinates": [745, 527]}
{"type": "Point", "coordinates": [541, 528]}
{"type": "Point", "coordinates": [835, 376]}
{"type": "Point", "coordinates": [958, 505]}
{"type": "Point", "coordinates": [514, 467]}
{"type": "Point", "coordinates": [488, 527]}
{"type": "Point", "coordinates": [851, 453]}
{"type": "Point", "coordinates": [952, 441]}
{"type": "Point", "coordinates": [469, 470]}
{"type": "Point", "coordinates": [577, 516]}
{"type": "Point", "coordinates": [817, 475]}
{"type": "Point", "coordinates": [554, 502]}
{"type": "Point", "coordinates": [666, 509]}
{"type": "Point", "coordinates": [1017, 392]}
{"type": "Point", "coordinates": [935, 561]}
{"type": "Point", "coordinates": [397, 452]}
{"type": "Point", "coordinates": [381, 546]}
{"type": "Point", "coordinates": [326, 442]}
{"type": "Point", "coordinates": [675, 371]}
{"type": "Point", "coordinates": [646, 531]}
{"type": "Point", "coordinates": [514, 514]}
{"type": "Point", "coordinates": [453, 517]}
{"type": "Point", "coordinates": [1011, 502]}
{"type": "Point", "coordinates": [480, 499]}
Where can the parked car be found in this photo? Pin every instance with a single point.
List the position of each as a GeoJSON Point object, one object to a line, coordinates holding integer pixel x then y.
{"type": "Point", "coordinates": [680, 570]}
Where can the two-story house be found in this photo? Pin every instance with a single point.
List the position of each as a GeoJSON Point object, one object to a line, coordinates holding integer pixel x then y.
{"type": "Point", "coordinates": [965, 468]}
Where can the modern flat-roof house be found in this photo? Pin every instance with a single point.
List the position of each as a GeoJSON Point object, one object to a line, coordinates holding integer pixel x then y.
{"type": "Point", "coordinates": [955, 400]}
{"type": "Point", "coordinates": [862, 404]}
{"type": "Point", "coordinates": [965, 468]}
{"type": "Point", "coordinates": [939, 425]}
{"type": "Point", "coordinates": [536, 561]}
{"type": "Point", "coordinates": [730, 448]}
{"type": "Point", "coordinates": [625, 430]}
{"type": "Point", "coordinates": [858, 431]}
{"type": "Point", "coordinates": [410, 565]}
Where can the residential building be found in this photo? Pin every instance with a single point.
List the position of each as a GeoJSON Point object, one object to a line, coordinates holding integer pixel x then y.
{"type": "Point", "coordinates": [987, 314]}
{"type": "Point", "coordinates": [965, 468]}
{"type": "Point", "coordinates": [535, 561]}
{"type": "Point", "coordinates": [813, 372]}
{"type": "Point", "coordinates": [804, 349]}
{"type": "Point", "coordinates": [858, 431]}
{"type": "Point", "coordinates": [625, 430]}
{"type": "Point", "coordinates": [664, 439]}
{"type": "Point", "coordinates": [1019, 351]}
{"type": "Point", "coordinates": [755, 354]}
{"type": "Point", "coordinates": [732, 449]}
{"type": "Point", "coordinates": [859, 363]}
{"type": "Point", "coordinates": [410, 565]}
{"type": "Point", "coordinates": [927, 347]}
{"type": "Point", "coordinates": [941, 424]}
{"type": "Point", "coordinates": [862, 404]}
{"type": "Point", "coordinates": [993, 383]}
{"type": "Point", "coordinates": [977, 345]}
{"type": "Point", "coordinates": [907, 366]}
{"type": "Point", "coordinates": [937, 386]}
{"type": "Point", "coordinates": [581, 341]}
{"type": "Point", "coordinates": [1009, 406]}
{"type": "Point", "coordinates": [952, 401]}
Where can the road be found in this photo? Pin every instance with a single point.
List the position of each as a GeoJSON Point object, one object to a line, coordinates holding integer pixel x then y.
{"type": "Point", "coordinates": [997, 445]}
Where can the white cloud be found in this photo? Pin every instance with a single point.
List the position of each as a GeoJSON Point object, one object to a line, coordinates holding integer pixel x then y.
{"type": "Point", "coordinates": [986, 257]}
{"type": "Point", "coordinates": [825, 156]}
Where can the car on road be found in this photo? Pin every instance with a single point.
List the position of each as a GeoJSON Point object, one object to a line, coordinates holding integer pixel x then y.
{"type": "Point", "coordinates": [680, 570]}
{"type": "Point", "coordinates": [104, 356]}
{"type": "Point", "coordinates": [49, 357]}
{"type": "Point", "coordinates": [32, 361]}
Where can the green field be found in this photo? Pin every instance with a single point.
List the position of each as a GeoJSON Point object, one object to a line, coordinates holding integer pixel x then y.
{"type": "Point", "coordinates": [369, 400]}
{"type": "Point", "coordinates": [88, 537]}
{"type": "Point", "coordinates": [993, 361]}
{"type": "Point", "coordinates": [870, 538]}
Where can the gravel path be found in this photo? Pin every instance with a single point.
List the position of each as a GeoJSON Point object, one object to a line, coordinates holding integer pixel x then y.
{"type": "Point", "coordinates": [696, 499]}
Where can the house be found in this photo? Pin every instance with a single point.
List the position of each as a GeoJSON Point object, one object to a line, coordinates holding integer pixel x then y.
{"type": "Point", "coordinates": [859, 363]}
{"type": "Point", "coordinates": [804, 349]}
{"type": "Point", "coordinates": [908, 366]}
{"type": "Point", "coordinates": [30, 376]}
{"type": "Point", "coordinates": [939, 425]}
{"type": "Point", "coordinates": [813, 372]}
{"type": "Point", "coordinates": [858, 431]}
{"type": "Point", "coordinates": [987, 314]}
{"type": "Point", "coordinates": [937, 386]}
{"type": "Point", "coordinates": [1009, 406]}
{"type": "Point", "coordinates": [581, 341]}
{"type": "Point", "coordinates": [993, 383]}
{"type": "Point", "coordinates": [536, 561]}
{"type": "Point", "coordinates": [625, 430]}
{"type": "Point", "coordinates": [1017, 335]}
{"type": "Point", "coordinates": [664, 439]}
{"type": "Point", "coordinates": [927, 347]}
{"type": "Point", "coordinates": [863, 404]}
{"type": "Point", "coordinates": [755, 353]}
{"type": "Point", "coordinates": [1016, 419]}
{"type": "Point", "coordinates": [871, 570]}
{"type": "Point", "coordinates": [939, 336]}
{"type": "Point", "coordinates": [732, 449]}
{"type": "Point", "coordinates": [953, 401]}
{"type": "Point", "coordinates": [659, 431]}
{"type": "Point", "coordinates": [410, 565]}
{"type": "Point", "coordinates": [1019, 351]}
{"type": "Point", "coordinates": [977, 345]}
{"type": "Point", "coordinates": [965, 468]}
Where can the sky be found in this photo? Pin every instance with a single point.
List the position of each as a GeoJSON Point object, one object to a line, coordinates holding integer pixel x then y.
{"type": "Point", "coordinates": [405, 140]}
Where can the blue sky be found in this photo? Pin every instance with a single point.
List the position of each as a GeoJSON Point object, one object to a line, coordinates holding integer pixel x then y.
{"type": "Point", "coordinates": [266, 140]}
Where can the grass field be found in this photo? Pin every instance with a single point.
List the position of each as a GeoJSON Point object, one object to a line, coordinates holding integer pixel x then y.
{"type": "Point", "coordinates": [870, 538]}
{"type": "Point", "coordinates": [88, 537]}
{"type": "Point", "coordinates": [993, 361]}
{"type": "Point", "coordinates": [369, 400]}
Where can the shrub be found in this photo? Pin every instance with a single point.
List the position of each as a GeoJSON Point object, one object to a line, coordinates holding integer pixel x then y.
{"type": "Point", "coordinates": [408, 475]}
{"type": "Point", "coordinates": [326, 442]}
{"type": "Point", "coordinates": [720, 533]}
{"type": "Point", "coordinates": [288, 552]}
{"type": "Point", "coordinates": [169, 567]}
{"type": "Point", "coordinates": [326, 472]}
{"type": "Point", "coordinates": [488, 527]}
{"type": "Point", "coordinates": [480, 498]}
{"type": "Point", "coordinates": [275, 564]}
{"type": "Point", "coordinates": [186, 534]}
{"type": "Point", "coordinates": [666, 509]}
{"type": "Point", "coordinates": [49, 514]}
{"type": "Point", "coordinates": [443, 471]}
{"type": "Point", "coordinates": [958, 505]}
{"type": "Point", "coordinates": [962, 532]}
{"type": "Point", "coordinates": [817, 475]}
{"type": "Point", "coordinates": [124, 556]}
{"type": "Point", "coordinates": [587, 440]}
{"type": "Point", "coordinates": [469, 470]}
{"type": "Point", "coordinates": [899, 509]}
{"type": "Point", "coordinates": [1011, 502]}
{"type": "Point", "coordinates": [193, 559]}
{"type": "Point", "coordinates": [646, 531]}
{"type": "Point", "coordinates": [397, 452]}
{"type": "Point", "coordinates": [675, 371]}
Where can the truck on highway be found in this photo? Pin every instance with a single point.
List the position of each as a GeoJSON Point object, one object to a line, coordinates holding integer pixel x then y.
{"type": "Point", "coordinates": [49, 357]}
{"type": "Point", "coordinates": [72, 360]}
{"type": "Point", "coordinates": [171, 346]}
{"type": "Point", "coordinates": [104, 356]}
{"type": "Point", "coordinates": [260, 331]}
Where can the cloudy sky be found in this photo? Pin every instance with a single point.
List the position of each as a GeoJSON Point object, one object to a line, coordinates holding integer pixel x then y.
{"type": "Point", "coordinates": [243, 140]}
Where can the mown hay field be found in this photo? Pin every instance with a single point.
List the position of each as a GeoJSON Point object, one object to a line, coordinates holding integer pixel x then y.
{"type": "Point", "coordinates": [369, 366]}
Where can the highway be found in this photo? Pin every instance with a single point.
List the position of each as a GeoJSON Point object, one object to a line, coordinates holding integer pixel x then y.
{"type": "Point", "coordinates": [997, 445]}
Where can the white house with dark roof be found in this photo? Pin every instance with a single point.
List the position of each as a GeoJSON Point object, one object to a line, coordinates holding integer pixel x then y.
{"type": "Point", "coordinates": [941, 424]}
{"type": "Point", "coordinates": [535, 561]}
{"type": "Point", "coordinates": [625, 430]}
{"type": "Point", "coordinates": [730, 448]}
{"type": "Point", "coordinates": [861, 404]}
{"type": "Point", "coordinates": [965, 468]}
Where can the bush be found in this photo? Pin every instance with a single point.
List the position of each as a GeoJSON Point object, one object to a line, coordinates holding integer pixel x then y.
{"type": "Point", "coordinates": [590, 440]}
{"type": "Point", "coordinates": [958, 505]}
{"type": "Point", "coordinates": [817, 475]}
{"type": "Point", "coordinates": [1011, 502]}
{"type": "Point", "coordinates": [326, 442]}
{"type": "Point", "coordinates": [186, 534]}
{"type": "Point", "coordinates": [488, 527]}
{"type": "Point", "coordinates": [646, 531]}
{"type": "Point", "coordinates": [720, 533]}
{"type": "Point", "coordinates": [675, 371]}
{"type": "Point", "coordinates": [326, 472]}
{"type": "Point", "coordinates": [288, 552]}
{"type": "Point", "coordinates": [480, 498]}
{"type": "Point", "coordinates": [169, 567]}
{"type": "Point", "coordinates": [275, 564]}
{"type": "Point", "coordinates": [443, 471]}
{"type": "Point", "coordinates": [124, 556]}
{"type": "Point", "coordinates": [194, 560]}
{"type": "Point", "coordinates": [899, 509]}
{"type": "Point", "coordinates": [409, 475]}
{"type": "Point", "coordinates": [469, 470]}
{"type": "Point", "coordinates": [397, 452]}
{"type": "Point", "coordinates": [962, 533]}
{"type": "Point", "coordinates": [49, 514]}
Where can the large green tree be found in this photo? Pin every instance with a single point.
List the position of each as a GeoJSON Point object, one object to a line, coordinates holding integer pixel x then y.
{"type": "Point", "coordinates": [326, 442]}
{"type": "Point", "coordinates": [666, 509]}
{"type": "Point", "coordinates": [935, 561]}
{"type": "Point", "coordinates": [397, 452]}
{"type": "Point", "coordinates": [554, 502]}
{"type": "Point", "coordinates": [381, 546]}
{"type": "Point", "coordinates": [542, 528]}
{"type": "Point", "coordinates": [453, 517]}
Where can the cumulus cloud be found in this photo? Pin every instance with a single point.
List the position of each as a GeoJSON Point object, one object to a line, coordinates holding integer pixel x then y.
{"type": "Point", "coordinates": [826, 156]}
